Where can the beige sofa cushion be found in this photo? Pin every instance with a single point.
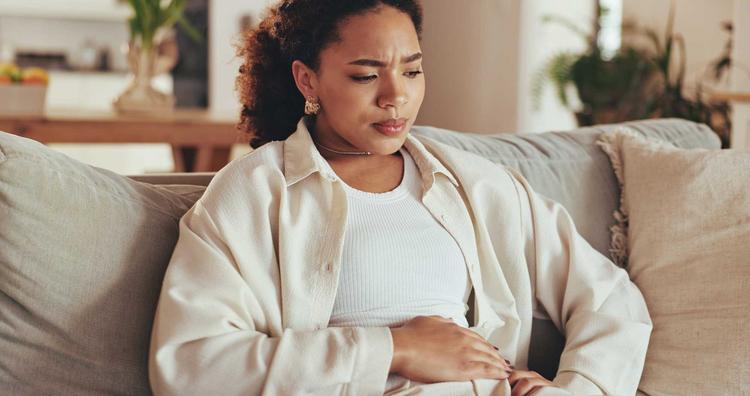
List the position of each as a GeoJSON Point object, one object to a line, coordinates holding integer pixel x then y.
{"type": "Point", "coordinates": [82, 256]}
{"type": "Point", "coordinates": [687, 218]}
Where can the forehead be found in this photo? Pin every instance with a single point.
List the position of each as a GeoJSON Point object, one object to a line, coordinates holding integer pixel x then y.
{"type": "Point", "coordinates": [378, 33]}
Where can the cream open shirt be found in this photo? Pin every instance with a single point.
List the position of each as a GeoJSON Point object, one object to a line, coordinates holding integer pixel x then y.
{"type": "Point", "coordinates": [250, 287]}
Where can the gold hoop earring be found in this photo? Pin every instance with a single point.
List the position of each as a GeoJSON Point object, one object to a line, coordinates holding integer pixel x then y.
{"type": "Point", "coordinates": [312, 107]}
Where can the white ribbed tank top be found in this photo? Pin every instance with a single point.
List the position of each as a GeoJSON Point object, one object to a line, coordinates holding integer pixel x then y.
{"type": "Point", "coordinates": [398, 261]}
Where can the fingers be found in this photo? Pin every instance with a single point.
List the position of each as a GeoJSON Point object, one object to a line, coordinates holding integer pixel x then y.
{"type": "Point", "coordinates": [526, 386]}
{"type": "Point", "coordinates": [490, 348]}
{"type": "Point", "coordinates": [523, 383]}
{"type": "Point", "coordinates": [521, 374]}
{"type": "Point", "coordinates": [492, 358]}
{"type": "Point", "coordinates": [491, 351]}
{"type": "Point", "coordinates": [469, 356]}
{"type": "Point", "coordinates": [483, 369]}
{"type": "Point", "coordinates": [469, 333]}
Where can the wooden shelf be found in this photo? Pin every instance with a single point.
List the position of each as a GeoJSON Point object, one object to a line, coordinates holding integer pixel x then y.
{"type": "Point", "coordinates": [201, 140]}
{"type": "Point", "coordinates": [732, 96]}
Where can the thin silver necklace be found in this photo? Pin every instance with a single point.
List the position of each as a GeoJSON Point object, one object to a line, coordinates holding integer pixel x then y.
{"type": "Point", "coordinates": [344, 152]}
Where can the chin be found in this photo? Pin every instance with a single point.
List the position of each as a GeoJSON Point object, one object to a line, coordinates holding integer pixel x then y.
{"type": "Point", "coordinates": [390, 148]}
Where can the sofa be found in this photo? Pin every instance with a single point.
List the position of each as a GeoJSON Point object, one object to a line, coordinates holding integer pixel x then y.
{"type": "Point", "coordinates": [83, 250]}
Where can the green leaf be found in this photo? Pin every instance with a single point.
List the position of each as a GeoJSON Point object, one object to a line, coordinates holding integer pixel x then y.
{"type": "Point", "coordinates": [155, 10]}
{"type": "Point", "coordinates": [171, 13]}
{"type": "Point", "coordinates": [149, 16]}
{"type": "Point", "coordinates": [567, 24]}
{"type": "Point", "coordinates": [191, 31]}
{"type": "Point", "coordinates": [135, 27]}
{"type": "Point", "coordinates": [144, 8]}
{"type": "Point", "coordinates": [557, 71]}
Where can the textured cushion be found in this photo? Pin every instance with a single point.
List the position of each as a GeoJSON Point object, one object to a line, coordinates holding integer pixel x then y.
{"type": "Point", "coordinates": [687, 218]}
{"type": "Point", "coordinates": [82, 256]}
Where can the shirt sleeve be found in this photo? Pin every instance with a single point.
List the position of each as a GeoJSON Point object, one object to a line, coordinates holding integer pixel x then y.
{"type": "Point", "coordinates": [205, 341]}
{"type": "Point", "coordinates": [601, 313]}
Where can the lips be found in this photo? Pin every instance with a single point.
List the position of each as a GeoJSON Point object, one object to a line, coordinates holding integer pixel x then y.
{"type": "Point", "coordinates": [392, 123]}
{"type": "Point", "coordinates": [391, 127]}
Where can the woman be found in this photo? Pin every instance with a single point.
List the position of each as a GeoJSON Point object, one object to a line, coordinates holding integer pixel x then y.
{"type": "Point", "coordinates": [341, 255]}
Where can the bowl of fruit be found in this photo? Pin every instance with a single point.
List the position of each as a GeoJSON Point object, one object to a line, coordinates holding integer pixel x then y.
{"type": "Point", "coordinates": [22, 90]}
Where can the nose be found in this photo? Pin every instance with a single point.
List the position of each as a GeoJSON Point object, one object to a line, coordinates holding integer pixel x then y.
{"type": "Point", "coordinates": [393, 94]}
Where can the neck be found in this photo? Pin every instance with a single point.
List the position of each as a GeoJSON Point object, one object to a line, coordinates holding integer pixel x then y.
{"type": "Point", "coordinates": [330, 150]}
{"type": "Point", "coordinates": [342, 152]}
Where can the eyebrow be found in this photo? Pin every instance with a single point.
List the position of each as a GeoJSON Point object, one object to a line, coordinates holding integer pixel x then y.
{"type": "Point", "coordinates": [377, 63]}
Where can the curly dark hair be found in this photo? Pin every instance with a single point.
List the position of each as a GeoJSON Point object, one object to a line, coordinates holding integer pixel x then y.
{"type": "Point", "coordinates": [293, 30]}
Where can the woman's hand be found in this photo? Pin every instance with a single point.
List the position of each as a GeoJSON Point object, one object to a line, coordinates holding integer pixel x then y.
{"type": "Point", "coordinates": [434, 349]}
{"type": "Point", "coordinates": [526, 383]}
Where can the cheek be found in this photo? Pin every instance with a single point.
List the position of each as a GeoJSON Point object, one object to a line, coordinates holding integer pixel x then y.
{"type": "Point", "coordinates": [348, 96]}
{"type": "Point", "coordinates": [417, 93]}
{"type": "Point", "coordinates": [420, 90]}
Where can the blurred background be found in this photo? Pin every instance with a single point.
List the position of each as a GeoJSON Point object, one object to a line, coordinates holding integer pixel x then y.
{"type": "Point", "coordinates": [492, 66]}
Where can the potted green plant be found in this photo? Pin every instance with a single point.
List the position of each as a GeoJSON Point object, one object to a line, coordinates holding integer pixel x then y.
{"type": "Point", "coordinates": [667, 97]}
{"type": "Point", "coordinates": [151, 52]}
{"type": "Point", "coordinates": [608, 89]}
{"type": "Point", "coordinates": [636, 83]}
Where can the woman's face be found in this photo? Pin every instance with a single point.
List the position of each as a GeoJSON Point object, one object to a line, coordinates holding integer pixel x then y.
{"type": "Point", "coordinates": [370, 84]}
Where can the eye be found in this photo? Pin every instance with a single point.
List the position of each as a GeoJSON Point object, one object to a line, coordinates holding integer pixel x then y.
{"type": "Point", "coordinates": [364, 79]}
{"type": "Point", "coordinates": [413, 73]}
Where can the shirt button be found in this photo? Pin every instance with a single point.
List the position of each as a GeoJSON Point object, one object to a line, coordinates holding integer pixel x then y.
{"type": "Point", "coordinates": [442, 217]}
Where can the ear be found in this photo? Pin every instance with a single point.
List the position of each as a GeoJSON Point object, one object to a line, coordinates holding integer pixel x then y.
{"type": "Point", "coordinates": [305, 78]}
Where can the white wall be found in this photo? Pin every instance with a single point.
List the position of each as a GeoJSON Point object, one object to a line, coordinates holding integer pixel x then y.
{"type": "Point", "coordinates": [740, 79]}
{"type": "Point", "coordinates": [539, 42]}
{"type": "Point", "coordinates": [224, 35]}
{"type": "Point", "coordinates": [64, 35]}
{"type": "Point", "coordinates": [103, 10]}
{"type": "Point", "coordinates": [481, 58]}
{"type": "Point", "coordinates": [471, 68]}
{"type": "Point", "coordinates": [698, 21]}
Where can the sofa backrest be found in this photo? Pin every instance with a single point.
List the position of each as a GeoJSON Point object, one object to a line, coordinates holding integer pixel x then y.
{"type": "Point", "coordinates": [82, 258]}
{"type": "Point", "coordinates": [566, 166]}
{"type": "Point", "coordinates": [570, 168]}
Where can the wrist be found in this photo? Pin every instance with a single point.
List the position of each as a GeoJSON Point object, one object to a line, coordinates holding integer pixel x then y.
{"type": "Point", "coordinates": [399, 352]}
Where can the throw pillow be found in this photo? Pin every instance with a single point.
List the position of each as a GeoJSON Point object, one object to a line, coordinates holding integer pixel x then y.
{"type": "Point", "coordinates": [82, 256]}
{"type": "Point", "coordinates": [684, 232]}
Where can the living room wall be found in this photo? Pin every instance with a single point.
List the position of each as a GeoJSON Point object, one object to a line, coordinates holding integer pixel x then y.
{"type": "Point", "coordinates": [482, 56]}
{"type": "Point", "coordinates": [470, 65]}
{"type": "Point", "coordinates": [480, 61]}
{"type": "Point", "coordinates": [698, 21]}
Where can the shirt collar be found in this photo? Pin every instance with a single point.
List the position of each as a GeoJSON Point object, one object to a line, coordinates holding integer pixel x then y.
{"type": "Point", "coordinates": [302, 158]}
